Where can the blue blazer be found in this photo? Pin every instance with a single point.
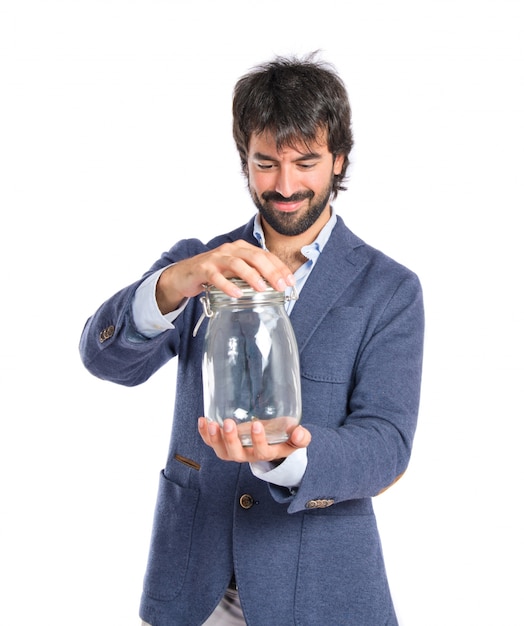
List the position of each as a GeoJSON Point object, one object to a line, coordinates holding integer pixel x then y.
{"type": "Point", "coordinates": [310, 557]}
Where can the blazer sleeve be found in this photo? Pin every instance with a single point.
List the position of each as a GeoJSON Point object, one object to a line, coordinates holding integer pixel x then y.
{"type": "Point", "coordinates": [111, 347]}
{"type": "Point", "coordinates": [369, 448]}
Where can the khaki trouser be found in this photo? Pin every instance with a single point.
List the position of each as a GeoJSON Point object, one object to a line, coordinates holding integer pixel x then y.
{"type": "Point", "coordinates": [227, 613]}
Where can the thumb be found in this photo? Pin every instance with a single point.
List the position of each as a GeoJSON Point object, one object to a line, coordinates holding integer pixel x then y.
{"type": "Point", "coordinates": [300, 437]}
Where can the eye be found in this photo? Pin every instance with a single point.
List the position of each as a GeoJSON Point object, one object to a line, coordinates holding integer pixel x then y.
{"type": "Point", "coordinates": [265, 166]}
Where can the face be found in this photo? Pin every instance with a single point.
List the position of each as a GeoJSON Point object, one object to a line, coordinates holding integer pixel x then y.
{"type": "Point", "coordinates": [291, 188]}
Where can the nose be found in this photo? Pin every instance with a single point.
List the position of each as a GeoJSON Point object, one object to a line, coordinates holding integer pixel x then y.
{"type": "Point", "coordinates": [286, 182]}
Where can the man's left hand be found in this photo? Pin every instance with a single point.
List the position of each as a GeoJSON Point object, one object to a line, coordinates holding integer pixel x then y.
{"type": "Point", "coordinates": [227, 444]}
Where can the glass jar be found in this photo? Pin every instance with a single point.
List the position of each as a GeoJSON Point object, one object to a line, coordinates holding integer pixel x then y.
{"type": "Point", "coordinates": [250, 362]}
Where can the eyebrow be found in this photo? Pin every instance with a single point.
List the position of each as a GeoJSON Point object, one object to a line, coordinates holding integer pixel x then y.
{"type": "Point", "coordinates": [260, 156]}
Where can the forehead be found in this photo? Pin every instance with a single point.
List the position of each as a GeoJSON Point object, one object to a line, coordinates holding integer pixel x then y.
{"type": "Point", "coordinates": [266, 143]}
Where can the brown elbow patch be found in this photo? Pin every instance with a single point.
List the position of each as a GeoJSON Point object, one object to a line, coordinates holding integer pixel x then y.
{"type": "Point", "coordinates": [391, 485]}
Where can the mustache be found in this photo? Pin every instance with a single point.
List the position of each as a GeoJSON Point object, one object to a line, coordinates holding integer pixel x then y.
{"type": "Point", "coordinates": [274, 196]}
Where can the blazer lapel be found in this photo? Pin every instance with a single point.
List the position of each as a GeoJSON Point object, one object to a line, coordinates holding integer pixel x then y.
{"type": "Point", "coordinates": [336, 268]}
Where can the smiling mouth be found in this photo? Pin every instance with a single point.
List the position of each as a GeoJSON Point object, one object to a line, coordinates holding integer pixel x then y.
{"type": "Point", "coordinates": [287, 207]}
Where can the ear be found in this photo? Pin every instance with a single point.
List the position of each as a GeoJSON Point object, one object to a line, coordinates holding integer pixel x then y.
{"type": "Point", "coordinates": [337, 164]}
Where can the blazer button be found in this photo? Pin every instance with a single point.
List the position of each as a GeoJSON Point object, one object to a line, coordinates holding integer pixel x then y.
{"type": "Point", "coordinates": [246, 501]}
{"type": "Point", "coordinates": [107, 333]}
{"type": "Point", "coordinates": [321, 503]}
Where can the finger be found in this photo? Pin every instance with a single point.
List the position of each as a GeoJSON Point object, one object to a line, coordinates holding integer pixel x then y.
{"type": "Point", "coordinates": [203, 430]}
{"type": "Point", "coordinates": [211, 433]}
{"type": "Point", "coordinates": [219, 281]}
{"type": "Point", "coordinates": [252, 264]}
{"type": "Point", "coordinates": [260, 449]}
{"type": "Point", "coordinates": [270, 268]}
{"type": "Point", "coordinates": [248, 270]}
{"type": "Point", "coordinates": [300, 437]}
{"type": "Point", "coordinates": [234, 449]}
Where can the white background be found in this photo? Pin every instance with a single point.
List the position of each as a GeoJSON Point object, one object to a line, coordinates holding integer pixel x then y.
{"type": "Point", "coordinates": [115, 142]}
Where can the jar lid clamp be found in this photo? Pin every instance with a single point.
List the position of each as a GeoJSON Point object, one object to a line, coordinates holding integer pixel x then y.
{"type": "Point", "coordinates": [214, 296]}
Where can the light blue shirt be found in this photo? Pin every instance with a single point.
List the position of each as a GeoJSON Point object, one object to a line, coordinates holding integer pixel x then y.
{"type": "Point", "coordinates": [150, 322]}
{"type": "Point", "coordinates": [311, 252]}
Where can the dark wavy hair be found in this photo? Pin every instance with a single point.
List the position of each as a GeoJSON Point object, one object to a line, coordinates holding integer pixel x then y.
{"type": "Point", "coordinates": [293, 99]}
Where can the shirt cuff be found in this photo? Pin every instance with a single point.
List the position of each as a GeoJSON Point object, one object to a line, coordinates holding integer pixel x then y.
{"type": "Point", "coordinates": [288, 474]}
{"type": "Point", "coordinates": [148, 319]}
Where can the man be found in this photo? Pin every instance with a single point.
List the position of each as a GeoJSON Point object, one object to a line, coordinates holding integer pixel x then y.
{"type": "Point", "coordinates": [285, 533]}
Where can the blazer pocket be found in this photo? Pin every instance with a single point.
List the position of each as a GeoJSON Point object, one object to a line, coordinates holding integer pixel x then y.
{"type": "Point", "coordinates": [330, 353]}
{"type": "Point", "coordinates": [171, 540]}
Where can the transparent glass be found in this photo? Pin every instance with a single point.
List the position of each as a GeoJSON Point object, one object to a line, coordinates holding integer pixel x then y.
{"type": "Point", "coordinates": [250, 363]}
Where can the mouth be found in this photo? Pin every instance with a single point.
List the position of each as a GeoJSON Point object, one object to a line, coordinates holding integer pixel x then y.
{"type": "Point", "coordinates": [287, 207]}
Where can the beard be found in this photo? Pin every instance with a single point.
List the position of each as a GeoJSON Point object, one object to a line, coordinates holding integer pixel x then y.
{"type": "Point", "coordinates": [294, 222]}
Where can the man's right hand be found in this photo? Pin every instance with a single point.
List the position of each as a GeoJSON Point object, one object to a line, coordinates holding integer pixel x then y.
{"type": "Point", "coordinates": [239, 259]}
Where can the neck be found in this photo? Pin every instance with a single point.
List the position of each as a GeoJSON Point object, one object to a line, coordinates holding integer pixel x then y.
{"type": "Point", "coordinates": [291, 257]}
